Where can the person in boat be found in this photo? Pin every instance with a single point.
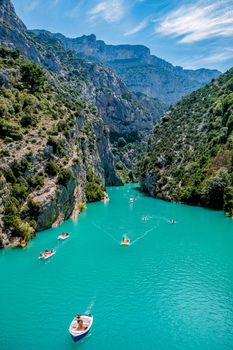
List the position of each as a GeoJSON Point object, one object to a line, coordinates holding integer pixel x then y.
{"type": "Point", "coordinates": [80, 323]}
{"type": "Point", "coordinates": [125, 240]}
{"type": "Point", "coordinates": [48, 252]}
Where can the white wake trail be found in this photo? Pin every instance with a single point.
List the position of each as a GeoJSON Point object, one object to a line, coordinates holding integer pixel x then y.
{"type": "Point", "coordinates": [144, 234]}
{"type": "Point", "coordinates": [106, 232]}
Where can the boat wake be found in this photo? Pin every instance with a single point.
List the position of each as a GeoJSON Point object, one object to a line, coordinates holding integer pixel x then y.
{"type": "Point", "coordinates": [144, 234]}
{"type": "Point", "coordinates": [106, 232]}
{"type": "Point", "coordinates": [134, 241]}
{"type": "Point", "coordinates": [90, 306]}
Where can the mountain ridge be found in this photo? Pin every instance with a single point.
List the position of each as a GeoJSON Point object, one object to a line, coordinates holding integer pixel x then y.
{"type": "Point", "coordinates": [141, 71]}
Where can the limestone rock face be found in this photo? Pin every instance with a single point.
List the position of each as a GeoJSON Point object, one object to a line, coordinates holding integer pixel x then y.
{"type": "Point", "coordinates": [141, 71]}
{"type": "Point", "coordinates": [8, 16]}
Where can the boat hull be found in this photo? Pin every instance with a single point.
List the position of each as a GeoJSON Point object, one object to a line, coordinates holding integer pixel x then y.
{"type": "Point", "coordinates": [125, 243]}
{"type": "Point", "coordinates": [46, 257]}
{"type": "Point", "coordinates": [78, 335]}
{"type": "Point", "coordinates": [62, 238]}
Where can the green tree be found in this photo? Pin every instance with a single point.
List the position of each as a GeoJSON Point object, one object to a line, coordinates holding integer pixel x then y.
{"type": "Point", "coordinates": [228, 200]}
{"type": "Point", "coordinates": [213, 191]}
{"type": "Point", "coordinates": [32, 77]}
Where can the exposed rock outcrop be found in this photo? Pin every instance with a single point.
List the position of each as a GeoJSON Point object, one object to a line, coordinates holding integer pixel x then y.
{"type": "Point", "coordinates": [141, 71]}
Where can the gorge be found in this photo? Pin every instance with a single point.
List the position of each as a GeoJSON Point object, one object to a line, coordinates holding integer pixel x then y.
{"type": "Point", "coordinates": [72, 122]}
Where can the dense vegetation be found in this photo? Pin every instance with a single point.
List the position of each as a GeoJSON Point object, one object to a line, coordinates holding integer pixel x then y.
{"type": "Point", "coordinates": [37, 140]}
{"type": "Point", "coordinates": [94, 187]}
{"type": "Point", "coordinates": [190, 156]}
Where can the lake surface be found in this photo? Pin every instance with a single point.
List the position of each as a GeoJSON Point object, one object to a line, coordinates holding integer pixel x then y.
{"type": "Point", "coordinates": [171, 289]}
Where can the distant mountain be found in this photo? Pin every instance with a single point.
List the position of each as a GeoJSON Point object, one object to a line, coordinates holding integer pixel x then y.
{"type": "Point", "coordinates": [141, 71]}
{"type": "Point", "coordinates": [55, 117]}
{"type": "Point", "coordinates": [190, 155]}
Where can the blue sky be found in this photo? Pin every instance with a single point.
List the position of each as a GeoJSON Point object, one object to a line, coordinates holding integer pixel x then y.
{"type": "Point", "coordinates": [192, 34]}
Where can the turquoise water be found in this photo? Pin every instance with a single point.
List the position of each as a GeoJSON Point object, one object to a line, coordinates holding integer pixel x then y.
{"type": "Point", "coordinates": [171, 289]}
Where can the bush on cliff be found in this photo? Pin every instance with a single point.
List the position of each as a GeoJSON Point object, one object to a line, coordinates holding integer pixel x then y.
{"type": "Point", "coordinates": [28, 120]}
{"type": "Point", "coordinates": [213, 192]}
{"type": "Point", "coordinates": [32, 76]}
{"type": "Point", "coordinates": [20, 190]}
{"type": "Point", "coordinates": [228, 200]}
{"type": "Point", "coordinates": [64, 176]}
{"type": "Point", "coordinates": [94, 189]}
{"type": "Point", "coordinates": [58, 148]}
{"type": "Point", "coordinates": [9, 129]}
{"type": "Point", "coordinates": [51, 168]}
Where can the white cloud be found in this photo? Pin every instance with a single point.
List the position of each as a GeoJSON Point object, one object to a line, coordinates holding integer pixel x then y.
{"type": "Point", "coordinates": [211, 60]}
{"type": "Point", "coordinates": [109, 10]}
{"type": "Point", "coordinates": [205, 19]}
{"type": "Point", "coordinates": [32, 6]}
{"type": "Point", "coordinates": [75, 11]}
{"type": "Point", "coordinates": [138, 28]}
{"type": "Point", "coordinates": [216, 57]}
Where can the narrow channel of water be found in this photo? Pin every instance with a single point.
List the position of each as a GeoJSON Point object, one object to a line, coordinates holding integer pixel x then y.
{"type": "Point", "coordinates": [171, 289]}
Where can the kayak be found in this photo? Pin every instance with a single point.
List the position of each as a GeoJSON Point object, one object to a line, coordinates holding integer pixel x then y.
{"type": "Point", "coordinates": [79, 334]}
{"type": "Point", "coordinates": [63, 236]}
{"type": "Point", "coordinates": [48, 255]}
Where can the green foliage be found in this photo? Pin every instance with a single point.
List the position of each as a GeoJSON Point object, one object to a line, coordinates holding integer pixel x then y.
{"type": "Point", "coordinates": [18, 227]}
{"type": "Point", "coordinates": [121, 142]}
{"type": "Point", "coordinates": [33, 77]}
{"type": "Point", "coordinates": [35, 181]}
{"type": "Point", "coordinates": [57, 146]}
{"type": "Point", "coordinates": [213, 191]}
{"type": "Point", "coordinates": [52, 168]}
{"type": "Point", "coordinates": [94, 189]}
{"type": "Point", "coordinates": [228, 200]}
{"type": "Point", "coordinates": [9, 129]}
{"type": "Point", "coordinates": [8, 53]}
{"type": "Point", "coordinates": [28, 120]}
{"type": "Point", "coordinates": [9, 175]}
{"type": "Point", "coordinates": [11, 206]}
{"type": "Point", "coordinates": [65, 175]}
{"type": "Point", "coordinates": [82, 206]}
{"type": "Point", "coordinates": [192, 145]}
{"type": "Point", "coordinates": [33, 209]}
{"type": "Point", "coordinates": [20, 190]}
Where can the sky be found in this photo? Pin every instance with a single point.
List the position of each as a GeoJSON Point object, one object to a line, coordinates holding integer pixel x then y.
{"type": "Point", "coordinates": [188, 33]}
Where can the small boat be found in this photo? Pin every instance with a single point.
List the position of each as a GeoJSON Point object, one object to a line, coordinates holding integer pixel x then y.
{"type": "Point", "coordinates": [125, 241]}
{"type": "Point", "coordinates": [173, 221]}
{"type": "Point", "coordinates": [63, 236]}
{"type": "Point", "coordinates": [145, 218]}
{"type": "Point", "coordinates": [131, 200]}
{"type": "Point", "coordinates": [47, 254]}
{"type": "Point", "coordinates": [79, 334]}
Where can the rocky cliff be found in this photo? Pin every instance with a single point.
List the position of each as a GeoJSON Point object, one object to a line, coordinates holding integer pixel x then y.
{"type": "Point", "coordinates": [96, 83]}
{"type": "Point", "coordinates": [53, 148]}
{"type": "Point", "coordinates": [141, 71]}
{"type": "Point", "coordinates": [190, 155]}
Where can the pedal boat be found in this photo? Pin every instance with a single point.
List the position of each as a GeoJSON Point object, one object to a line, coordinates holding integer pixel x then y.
{"type": "Point", "coordinates": [79, 334]}
{"type": "Point", "coordinates": [125, 241]}
{"type": "Point", "coordinates": [47, 255]}
{"type": "Point", "coordinates": [63, 236]}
